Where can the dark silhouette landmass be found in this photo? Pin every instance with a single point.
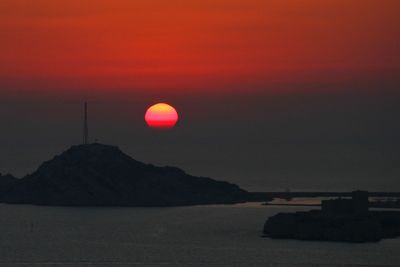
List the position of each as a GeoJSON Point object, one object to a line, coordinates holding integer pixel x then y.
{"type": "Point", "coordinates": [387, 203]}
{"type": "Point", "coordinates": [101, 175]}
{"type": "Point", "coordinates": [97, 174]}
{"type": "Point", "coordinates": [345, 220]}
{"type": "Point", "coordinates": [6, 182]}
{"type": "Point", "coordinates": [290, 195]}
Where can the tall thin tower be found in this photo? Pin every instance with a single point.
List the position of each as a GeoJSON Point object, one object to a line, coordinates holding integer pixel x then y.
{"type": "Point", "coordinates": [85, 126]}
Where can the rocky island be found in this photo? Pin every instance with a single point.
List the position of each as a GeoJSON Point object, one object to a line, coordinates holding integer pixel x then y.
{"type": "Point", "coordinates": [342, 220]}
{"type": "Point", "coordinates": [102, 175]}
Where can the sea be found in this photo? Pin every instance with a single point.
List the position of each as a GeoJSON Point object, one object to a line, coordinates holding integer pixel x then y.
{"type": "Point", "coordinates": [211, 235]}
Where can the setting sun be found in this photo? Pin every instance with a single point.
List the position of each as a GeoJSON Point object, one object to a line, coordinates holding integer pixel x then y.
{"type": "Point", "coordinates": [161, 115]}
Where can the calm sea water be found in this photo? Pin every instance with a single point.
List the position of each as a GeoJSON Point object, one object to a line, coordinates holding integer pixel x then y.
{"type": "Point", "coordinates": [222, 235]}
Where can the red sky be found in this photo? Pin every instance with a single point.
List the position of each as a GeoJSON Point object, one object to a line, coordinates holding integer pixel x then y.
{"type": "Point", "coordinates": [239, 73]}
{"type": "Point", "coordinates": [196, 45]}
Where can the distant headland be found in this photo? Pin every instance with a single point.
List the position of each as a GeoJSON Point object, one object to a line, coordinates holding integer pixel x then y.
{"type": "Point", "coordinates": [344, 220]}
{"type": "Point", "coordinates": [102, 175]}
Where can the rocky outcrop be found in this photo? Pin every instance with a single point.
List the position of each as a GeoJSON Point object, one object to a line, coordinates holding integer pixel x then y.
{"type": "Point", "coordinates": [97, 174]}
{"type": "Point", "coordinates": [316, 225]}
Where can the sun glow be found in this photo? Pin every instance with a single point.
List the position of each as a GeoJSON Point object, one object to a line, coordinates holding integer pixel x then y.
{"type": "Point", "coordinates": [162, 116]}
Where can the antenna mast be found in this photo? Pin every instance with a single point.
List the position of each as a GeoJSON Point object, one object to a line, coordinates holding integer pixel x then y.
{"type": "Point", "coordinates": [85, 126]}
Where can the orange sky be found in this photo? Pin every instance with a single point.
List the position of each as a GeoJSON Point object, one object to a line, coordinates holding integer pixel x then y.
{"type": "Point", "coordinates": [197, 44]}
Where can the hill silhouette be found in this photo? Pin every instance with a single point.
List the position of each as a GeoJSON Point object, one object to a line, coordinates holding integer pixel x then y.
{"type": "Point", "coordinates": [6, 182]}
{"type": "Point", "coordinates": [98, 174]}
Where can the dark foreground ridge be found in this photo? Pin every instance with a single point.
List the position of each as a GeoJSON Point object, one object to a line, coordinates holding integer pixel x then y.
{"type": "Point", "coordinates": [6, 182]}
{"type": "Point", "coordinates": [344, 220]}
{"type": "Point", "coordinates": [102, 175]}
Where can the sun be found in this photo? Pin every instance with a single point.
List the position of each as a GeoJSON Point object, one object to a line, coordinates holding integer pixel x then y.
{"type": "Point", "coordinates": [162, 116]}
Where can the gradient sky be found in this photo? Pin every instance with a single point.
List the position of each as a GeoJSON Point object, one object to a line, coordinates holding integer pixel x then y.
{"type": "Point", "coordinates": [298, 94]}
{"type": "Point", "coordinates": [195, 45]}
